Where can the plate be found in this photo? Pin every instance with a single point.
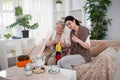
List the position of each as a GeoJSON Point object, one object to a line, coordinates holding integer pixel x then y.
{"type": "Point", "coordinates": [54, 71]}
{"type": "Point", "coordinates": [38, 70]}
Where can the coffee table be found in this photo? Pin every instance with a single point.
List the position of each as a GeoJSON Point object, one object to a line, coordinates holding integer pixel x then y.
{"type": "Point", "coordinates": [15, 73]}
{"type": "Point", "coordinates": [1, 78]}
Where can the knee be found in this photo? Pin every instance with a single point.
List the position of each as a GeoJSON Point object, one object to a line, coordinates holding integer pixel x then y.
{"type": "Point", "coordinates": [61, 62]}
{"type": "Point", "coordinates": [51, 61]}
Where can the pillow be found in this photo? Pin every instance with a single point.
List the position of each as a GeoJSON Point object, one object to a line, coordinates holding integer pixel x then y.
{"type": "Point", "coordinates": [23, 57]}
{"type": "Point", "coordinates": [23, 63]}
{"type": "Point", "coordinates": [96, 50]}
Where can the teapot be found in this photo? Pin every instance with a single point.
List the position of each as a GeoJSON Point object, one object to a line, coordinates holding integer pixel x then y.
{"type": "Point", "coordinates": [39, 61]}
{"type": "Point", "coordinates": [28, 67]}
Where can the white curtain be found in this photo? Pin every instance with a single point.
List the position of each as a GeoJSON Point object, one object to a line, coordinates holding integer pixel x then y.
{"type": "Point", "coordinates": [42, 13]}
{"type": "Point", "coordinates": [0, 20]}
{"type": "Point", "coordinates": [87, 22]}
{"type": "Point", "coordinates": [6, 15]}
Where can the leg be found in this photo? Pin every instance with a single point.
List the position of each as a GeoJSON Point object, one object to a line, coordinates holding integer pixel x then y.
{"type": "Point", "coordinates": [70, 60]}
{"type": "Point", "coordinates": [51, 60]}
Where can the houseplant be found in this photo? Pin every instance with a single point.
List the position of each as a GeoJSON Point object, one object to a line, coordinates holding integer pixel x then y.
{"type": "Point", "coordinates": [8, 35]}
{"type": "Point", "coordinates": [23, 20]}
{"type": "Point", "coordinates": [97, 10]}
{"type": "Point", "coordinates": [58, 5]}
{"type": "Point", "coordinates": [58, 2]}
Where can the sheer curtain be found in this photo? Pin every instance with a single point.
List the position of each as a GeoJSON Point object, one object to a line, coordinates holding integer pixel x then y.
{"type": "Point", "coordinates": [86, 21]}
{"type": "Point", "coordinates": [6, 15]}
{"type": "Point", "coordinates": [42, 12]}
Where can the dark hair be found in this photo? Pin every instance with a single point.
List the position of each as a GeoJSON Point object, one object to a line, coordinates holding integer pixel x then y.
{"type": "Point", "coordinates": [71, 18]}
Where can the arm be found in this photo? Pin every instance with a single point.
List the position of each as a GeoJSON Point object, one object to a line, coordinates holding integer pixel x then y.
{"type": "Point", "coordinates": [53, 42]}
{"type": "Point", "coordinates": [50, 43]}
{"type": "Point", "coordinates": [65, 47]}
{"type": "Point", "coordinates": [82, 43]}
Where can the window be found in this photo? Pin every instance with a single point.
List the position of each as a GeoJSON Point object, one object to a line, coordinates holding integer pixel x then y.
{"type": "Point", "coordinates": [6, 14]}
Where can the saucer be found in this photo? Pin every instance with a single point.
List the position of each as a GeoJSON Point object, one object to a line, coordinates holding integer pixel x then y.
{"type": "Point", "coordinates": [28, 73]}
{"type": "Point", "coordinates": [54, 71]}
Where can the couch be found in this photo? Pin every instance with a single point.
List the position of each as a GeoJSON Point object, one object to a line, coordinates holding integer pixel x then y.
{"type": "Point", "coordinates": [102, 65]}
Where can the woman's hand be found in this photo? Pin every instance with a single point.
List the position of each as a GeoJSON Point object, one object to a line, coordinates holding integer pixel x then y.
{"type": "Point", "coordinates": [62, 44]}
{"type": "Point", "coordinates": [74, 38]}
{"type": "Point", "coordinates": [56, 40]}
{"type": "Point", "coordinates": [82, 43]}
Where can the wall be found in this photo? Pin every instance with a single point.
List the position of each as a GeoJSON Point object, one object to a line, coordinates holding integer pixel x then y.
{"type": "Point", "coordinates": [114, 14]}
{"type": "Point", "coordinates": [3, 57]}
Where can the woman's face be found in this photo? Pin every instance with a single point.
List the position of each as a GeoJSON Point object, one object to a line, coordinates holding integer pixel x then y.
{"type": "Point", "coordinates": [70, 24]}
{"type": "Point", "coordinates": [59, 28]}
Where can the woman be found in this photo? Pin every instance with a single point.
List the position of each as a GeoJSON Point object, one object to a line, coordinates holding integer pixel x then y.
{"type": "Point", "coordinates": [57, 36]}
{"type": "Point", "coordinates": [80, 45]}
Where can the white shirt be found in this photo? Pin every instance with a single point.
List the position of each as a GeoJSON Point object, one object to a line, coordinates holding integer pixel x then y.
{"type": "Point", "coordinates": [63, 37]}
{"type": "Point", "coordinates": [88, 40]}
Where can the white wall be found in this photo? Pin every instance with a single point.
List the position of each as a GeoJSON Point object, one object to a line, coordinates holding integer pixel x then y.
{"type": "Point", "coordinates": [3, 56]}
{"type": "Point", "coordinates": [114, 14]}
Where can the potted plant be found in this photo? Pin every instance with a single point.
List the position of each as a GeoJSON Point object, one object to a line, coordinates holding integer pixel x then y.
{"type": "Point", "coordinates": [97, 10]}
{"type": "Point", "coordinates": [58, 2]}
{"type": "Point", "coordinates": [58, 5]}
{"type": "Point", "coordinates": [8, 35]}
{"type": "Point", "coordinates": [23, 20]}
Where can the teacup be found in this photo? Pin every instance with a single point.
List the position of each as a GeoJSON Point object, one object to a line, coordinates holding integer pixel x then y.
{"type": "Point", "coordinates": [54, 68]}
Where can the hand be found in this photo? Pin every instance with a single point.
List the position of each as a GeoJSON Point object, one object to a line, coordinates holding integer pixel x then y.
{"type": "Point", "coordinates": [74, 38]}
{"type": "Point", "coordinates": [63, 44]}
{"type": "Point", "coordinates": [56, 40]}
{"type": "Point", "coordinates": [65, 50]}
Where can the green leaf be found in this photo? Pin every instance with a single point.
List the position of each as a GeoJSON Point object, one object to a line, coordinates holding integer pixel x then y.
{"type": "Point", "coordinates": [18, 11]}
{"type": "Point", "coordinates": [58, 2]}
{"type": "Point", "coordinates": [23, 20]}
{"type": "Point", "coordinates": [97, 10]}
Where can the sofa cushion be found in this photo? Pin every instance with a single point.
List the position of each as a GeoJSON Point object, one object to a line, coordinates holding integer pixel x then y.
{"type": "Point", "coordinates": [97, 49]}
{"type": "Point", "coordinates": [110, 43]}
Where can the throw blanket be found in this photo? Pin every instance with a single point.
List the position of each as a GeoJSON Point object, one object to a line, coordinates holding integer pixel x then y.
{"type": "Point", "coordinates": [100, 68]}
